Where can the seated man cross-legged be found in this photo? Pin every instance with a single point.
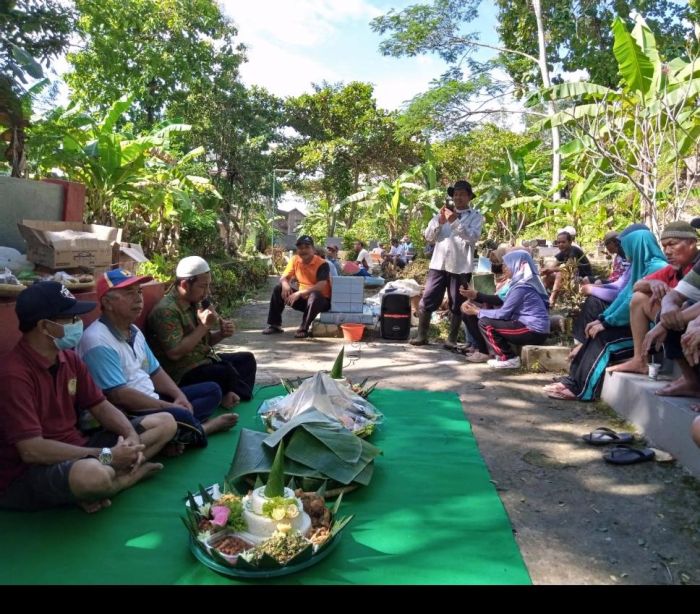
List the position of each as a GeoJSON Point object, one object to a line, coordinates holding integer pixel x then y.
{"type": "Point", "coordinates": [182, 334]}
{"type": "Point", "coordinates": [45, 461]}
{"type": "Point", "coordinates": [312, 274]}
{"type": "Point", "coordinates": [122, 364]}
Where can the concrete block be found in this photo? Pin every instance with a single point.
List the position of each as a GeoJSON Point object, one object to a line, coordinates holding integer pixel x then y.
{"type": "Point", "coordinates": [664, 421]}
{"type": "Point", "coordinates": [545, 357]}
{"type": "Point", "coordinates": [319, 329]}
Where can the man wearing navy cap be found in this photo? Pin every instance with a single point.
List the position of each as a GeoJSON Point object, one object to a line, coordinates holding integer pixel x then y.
{"type": "Point", "coordinates": [45, 461]}
{"type": "Point", "coordinates": [123, 365]}
{"type": "Point", "coordinates": [312, 273]}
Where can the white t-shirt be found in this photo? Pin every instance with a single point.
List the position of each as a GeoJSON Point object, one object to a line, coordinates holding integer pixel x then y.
{"type": "Point", "coordinates": [363, 256]}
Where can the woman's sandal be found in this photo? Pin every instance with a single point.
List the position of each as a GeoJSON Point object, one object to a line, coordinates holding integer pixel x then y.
{"type": "Point", "coordinates": [301, 334]}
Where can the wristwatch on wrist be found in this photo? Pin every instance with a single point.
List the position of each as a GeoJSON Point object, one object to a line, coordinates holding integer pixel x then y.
{"type": "Point", "coordinates": [105, 456]}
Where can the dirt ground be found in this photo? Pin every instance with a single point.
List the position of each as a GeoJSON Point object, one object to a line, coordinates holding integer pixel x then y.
{"type": "Point", "coordinates": [577, 519]}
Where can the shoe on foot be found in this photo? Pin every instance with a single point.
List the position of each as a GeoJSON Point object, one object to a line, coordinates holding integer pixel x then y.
{"type": "Point", "coordinates": [478, 357]}
{"type": "Point", "coordinates": [510, 363]}
{"type": "Point", "coordinates": [272, 330]}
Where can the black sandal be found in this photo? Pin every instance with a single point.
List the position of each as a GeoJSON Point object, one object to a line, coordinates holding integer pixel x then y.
{"type": "Point", "coordinates": [301, 334]}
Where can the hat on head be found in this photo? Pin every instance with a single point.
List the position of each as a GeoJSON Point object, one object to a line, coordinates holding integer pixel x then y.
{"type": "Point", "coordinates": [191, 267]}
{"type": "Point", "coordinates": [679, 230]}
{"type": "Point", "coordinates": [695, 222]}
{"type": "Point", "coordinates": [609, 236]}
{"type": "Point", "coordinates": [333, 247]}
{"type": "Point", "coordinates": [118, 278]}
{"type": "Point", "coordinates": [46, 300]}
{"type": "Point", "coordinates": [305, 240]}
{"type": "Point", "coordinates": [460, 185]}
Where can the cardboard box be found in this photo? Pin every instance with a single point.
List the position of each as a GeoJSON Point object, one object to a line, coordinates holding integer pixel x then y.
{"type": "Point", "coordinates": [128, 256]}
{"type": "Point", "coordinates": [65, 245]}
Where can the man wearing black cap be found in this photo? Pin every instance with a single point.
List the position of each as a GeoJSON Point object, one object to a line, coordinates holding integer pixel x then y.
{"type": "Point", "coordinates": [45, 461]}
{"type": "Point", "coordinates": [312, 274]}
{"type": "Point", "coordinates": [454, 233]}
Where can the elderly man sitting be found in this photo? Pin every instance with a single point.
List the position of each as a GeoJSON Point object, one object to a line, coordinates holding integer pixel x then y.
{"type": "Point", "coordinates": [123, 365]}
{"type": "Point", "coordinates": [679, 242]}
{"type": "Point", "coordinates": [45, 460]}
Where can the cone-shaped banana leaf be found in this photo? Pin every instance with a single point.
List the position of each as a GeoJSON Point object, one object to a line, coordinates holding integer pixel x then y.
{"type": "Point", "coordinates": [305, 449]}
{"type": "Point", "coordinates": [252, 458]}
{"type": "Point", "coordinates": [330, 432]}
{"type": "Point", "coordinates": [337, 370]}
{"type": "Point", "coordinates": [316, 449]}
{"type": "Point", "coordinates": [275, 483]}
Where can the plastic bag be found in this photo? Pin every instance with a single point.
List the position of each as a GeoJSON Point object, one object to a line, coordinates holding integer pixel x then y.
{"type": "Point", "coordinates": [326, 395]}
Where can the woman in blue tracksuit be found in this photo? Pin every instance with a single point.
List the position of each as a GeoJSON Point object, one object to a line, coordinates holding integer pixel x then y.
{"type": "Point", "coordinates": [523, 318]}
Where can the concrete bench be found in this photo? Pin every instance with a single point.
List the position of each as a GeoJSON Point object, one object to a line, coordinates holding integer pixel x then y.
{"type": "Point", "coordinates": [664, 421]}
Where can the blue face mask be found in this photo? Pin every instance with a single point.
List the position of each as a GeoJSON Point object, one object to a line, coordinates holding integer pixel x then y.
{"type": "Point", "coordinates": [71, 336]}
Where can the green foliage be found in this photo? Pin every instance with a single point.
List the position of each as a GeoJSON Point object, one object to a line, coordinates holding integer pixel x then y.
{"type": "Point", "coordinates": [31, 31]}
{"type": "Point", "coordinates": [578, 35]}
{"type": "Point", "coordinates": [342, 136]}
{"type": "Point", "coordinates": [159, 266]}
{"type": "Point", "coordinates": [136, 181]}
{"type": "Point", "coordinates": [158, 50]}
{"type": "Point", "coordinates": [233, 281]}
{"type": "Point", "coordinates": [640, 130]}
{"type": "Point", "coordinates": [200, 234]}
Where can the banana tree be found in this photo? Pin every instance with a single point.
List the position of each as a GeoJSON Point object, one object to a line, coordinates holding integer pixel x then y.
{"type": "Point", "coordinates": [138, 182]}
{"type": "Point", "coordinates": [392, 201]}
{"type": "Point", "coordinates": [652, 120]}
{"type": "Point", "coordinates": [323, 213]}
{"type": "Point", "coordinates": [513, 192]}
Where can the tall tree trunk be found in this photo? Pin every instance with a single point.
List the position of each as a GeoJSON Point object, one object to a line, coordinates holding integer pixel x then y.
{"type": "Point", "coordinates": [551, 108]}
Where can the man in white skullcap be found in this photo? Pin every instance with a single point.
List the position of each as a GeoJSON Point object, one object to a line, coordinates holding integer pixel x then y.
{"type": "Point", "coordinates": [184, 327]}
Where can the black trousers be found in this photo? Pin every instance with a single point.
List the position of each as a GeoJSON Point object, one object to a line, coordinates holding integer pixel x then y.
{"type": "Point", "coordinates": [235, 373]}
{"type": "Point", "coordinates": [499, 334]}
{"type": "Point", "coordinates": [587, 370]}
{"type": "Point", "coordinates": [592, 307]}
{"type": "Point", "coordinates": [311, 306]}
{"type": "Point", "coordinates": [435, 285]}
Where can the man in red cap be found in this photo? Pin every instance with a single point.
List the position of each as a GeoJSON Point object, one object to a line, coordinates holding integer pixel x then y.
{"type": "Point", "coordinates": [45, 461]}
{"type": "Point", "coordinates": [124, 366]}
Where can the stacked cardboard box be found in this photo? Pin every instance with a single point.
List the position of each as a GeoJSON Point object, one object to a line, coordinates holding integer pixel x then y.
{"type": "Point", "coordinates": [348, 295]}
{"type": "Point", "coordinates": [69, 245]}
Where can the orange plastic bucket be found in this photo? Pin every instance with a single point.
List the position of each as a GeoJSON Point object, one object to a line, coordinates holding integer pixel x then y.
{"type": "Point", "coordinates": [352, 332]}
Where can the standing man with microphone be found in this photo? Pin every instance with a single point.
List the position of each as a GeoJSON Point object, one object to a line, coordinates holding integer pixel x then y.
{"type": "Point", "coordinates": [454, 231]}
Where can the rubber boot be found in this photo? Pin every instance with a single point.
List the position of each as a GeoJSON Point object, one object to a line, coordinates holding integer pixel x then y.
{"type": "Point", "coordinates": [455, 327]}
{"type": "Point", "coordinates": [421, 337]}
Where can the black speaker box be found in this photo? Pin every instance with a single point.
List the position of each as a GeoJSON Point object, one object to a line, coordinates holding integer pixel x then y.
{"type": "Point", "coordinates": [395, 316]}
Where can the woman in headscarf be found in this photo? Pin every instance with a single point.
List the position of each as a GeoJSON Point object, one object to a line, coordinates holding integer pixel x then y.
{"type": "Point", "coordinates": [522, 319]}
{"type": "Point", "coordinates": [609, 337]}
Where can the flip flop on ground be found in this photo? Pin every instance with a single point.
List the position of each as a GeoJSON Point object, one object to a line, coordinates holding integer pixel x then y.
{"type": "Point", "coordinates": [626, 455]}
{"type": "Point", "coordinates": [301, 334]}
{"type": "Point", "coordinates": [272, 330]}
{"type": "Point", "coordinates": [603, 436]}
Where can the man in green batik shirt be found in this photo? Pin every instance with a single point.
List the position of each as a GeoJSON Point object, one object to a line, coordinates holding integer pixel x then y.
{"type": "Point", "coordinates": [182, 335]}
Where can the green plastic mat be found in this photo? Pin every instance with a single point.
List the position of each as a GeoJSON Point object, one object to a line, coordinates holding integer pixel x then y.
{"type": "Point", "coordinates": [429, 516]}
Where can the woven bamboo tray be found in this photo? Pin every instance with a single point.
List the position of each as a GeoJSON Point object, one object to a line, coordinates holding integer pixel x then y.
{"type": "Point", "coordinates": [11, 290]}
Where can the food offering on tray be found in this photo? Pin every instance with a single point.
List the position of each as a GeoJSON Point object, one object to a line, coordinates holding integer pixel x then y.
{"type": "Point", "coordinates": [325, 394]}
{"type": "Point", "coordinates": [271, 529]}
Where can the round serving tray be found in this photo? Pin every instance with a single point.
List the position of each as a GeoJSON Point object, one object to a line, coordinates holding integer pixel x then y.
{"type": "Point", "coordinates": [234, 572]}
